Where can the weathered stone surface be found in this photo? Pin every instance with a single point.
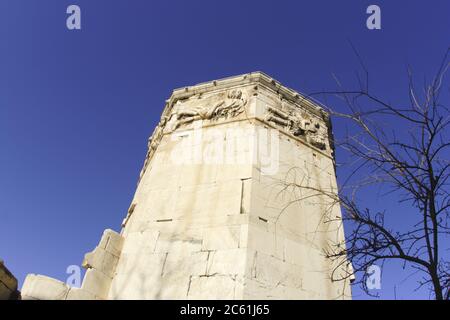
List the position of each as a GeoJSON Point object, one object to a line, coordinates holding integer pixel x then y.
{"type": "Point", "coordinates": [183, 246]}
{"type": "Point", "coordinates": [140, 241]}
{"type": "Point", "coordinates": [218, 238]}
{"type": "Point", "coordinates": [194, 264]}
{"type": "Point", "coordinates": [80, 294]}
{"type": "Point", "coordinates": [227, 262]}
{"type": "Point", "coordinates": [101, 260]}
{"type": "Point", "coordinates": [38, 287]}
{"type": "Point", "coordinates": [112, 242]}
{"type": "Point", "coordinates": [212, 287]}
{"type": "Point", "coordinates": [96, 283]}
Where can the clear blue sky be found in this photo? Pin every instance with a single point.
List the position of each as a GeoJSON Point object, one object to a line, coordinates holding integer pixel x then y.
{"type": "Point", "coordinates": [77, 107]}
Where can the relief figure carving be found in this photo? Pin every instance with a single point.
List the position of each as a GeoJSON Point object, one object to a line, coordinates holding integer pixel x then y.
{"type": "Point", "coordinates": [210, 108]}
{"type": "Point", "coordinates": [299, 125]}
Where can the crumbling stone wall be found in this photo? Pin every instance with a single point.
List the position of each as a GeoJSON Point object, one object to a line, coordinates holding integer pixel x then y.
{"type": "Point", "coordinates": [100, 264]}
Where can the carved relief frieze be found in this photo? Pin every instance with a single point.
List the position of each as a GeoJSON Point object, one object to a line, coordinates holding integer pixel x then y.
{"type": "Point", "coordinates": [298, 123]}
{"type": "Point", "coordinates": [216, 106]}
{"type": "Point", "coordinates": [222, 105]}
{"type": "Point", "coordinates": [185, 109]}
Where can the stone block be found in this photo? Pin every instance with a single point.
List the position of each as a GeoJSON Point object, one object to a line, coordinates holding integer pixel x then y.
{"type": "Point", "coordinates": [142, 284]}
{"type": "Point", "coordinates": [112, 242]}
{"type": "Point", "coordinates": [38, 287]}
{"type": "Point", "coordinates": [259, 290]}
{"type": "Point", "coordinates": [159, 204]}
{"type": "Point", "coordinates": [193, 264]}
{"type": "Point", "coordinates": [243, 237]}
{"type": "Point", "coordinates": [202, 200]}
{"type": "Point", "coordinates": [80, 294]}
{"type": "Point", "coordinates": [101, 260]}
{"type": "Point", "coordinates": [171, 286]}
{"type": "Point", "coordinates": [305, 256]}
{"type": "Point", "coordinates": [96, 283]}
{"type": "Point", "coordinates": [227, 262]}
{"type": "Point", "coordinates": [191, 175]}
{"type": "Point", "coordinates": [140, 241]}
{"type": "Point", "coordinates": [135, 285]}
{"type": "Point", "coordinates": [218, 238]}
{"type": "Point", "coordinates": [229, 172]}
{"type": "Point", "coordinates": [212, 287]}
{"type": "Point", "coordinates": [273, 271]}
{"type": "Point", "coordinates": [246, 199]}
{"type": "Point", "coordinates": [178, 242]}
{"type": "Point", "coordinates": [319, 281]}
{"type": "Point", "coordinates": [261, 240]}
{"type": "Point", "coordinates": [141, 263]}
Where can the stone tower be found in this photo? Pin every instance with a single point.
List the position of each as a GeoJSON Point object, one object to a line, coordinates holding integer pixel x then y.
{"type": "Point", "coordinates": [220, 211]}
